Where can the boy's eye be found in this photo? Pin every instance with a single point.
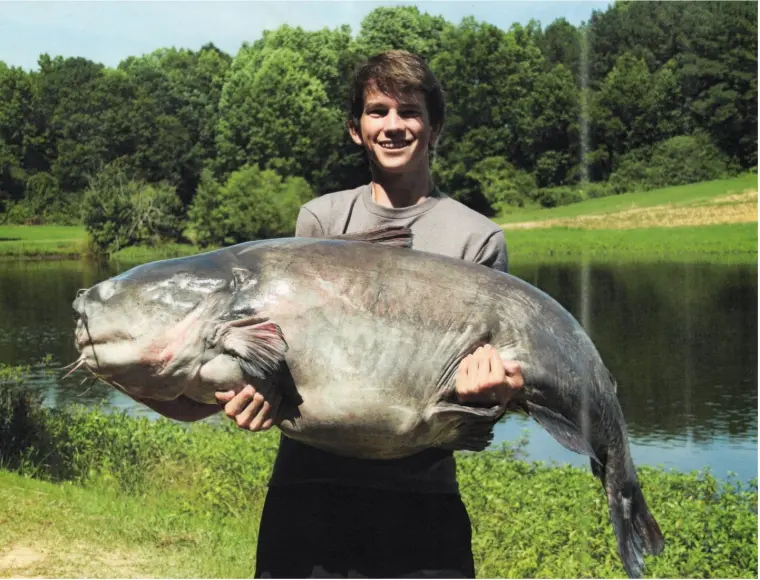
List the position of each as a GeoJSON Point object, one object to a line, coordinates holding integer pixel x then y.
{"type": "Point", "coordinates": [378, 112]}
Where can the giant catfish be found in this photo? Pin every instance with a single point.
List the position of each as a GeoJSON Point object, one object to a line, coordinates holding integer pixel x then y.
{"type": "Point", "coordinates": [356, 345]}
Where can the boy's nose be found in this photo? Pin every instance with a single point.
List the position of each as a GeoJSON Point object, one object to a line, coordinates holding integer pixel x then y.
{"type": "Point", "coordinates": [393, 121]}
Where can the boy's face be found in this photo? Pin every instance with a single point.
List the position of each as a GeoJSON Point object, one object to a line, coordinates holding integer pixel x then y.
{"type": "Point", "coordinates": [396, 132]}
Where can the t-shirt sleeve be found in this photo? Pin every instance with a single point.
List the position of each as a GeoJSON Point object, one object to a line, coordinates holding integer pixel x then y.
{"type": "Point", "coordinates": [307, 225]}
{"type": "Point", "coordinates": [494, 252]}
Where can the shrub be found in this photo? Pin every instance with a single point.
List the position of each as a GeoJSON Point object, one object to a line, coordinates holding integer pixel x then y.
{"type": "Point", "coordinates": [156, 213]}
{"type": "Point", "coordinates": [42, 195]}
{"type": "Point", "coordinates": [594, 190]}
{"type": "Point", "coordinates": [677, 161]}
{"type": "Point", "coordinates": [200, 215]}
{"type": "Point", "coordinates": [253, 204]}
{"type": "Point", "coordinates": [43, 203]}
{"type": "Point", "coordinates": [554, 196]}
{"type": "Point", "coordinates": [119, 211]}
{"type": "Point", "coordinates": [686, 159]}
{"type": "Point", "coordinates": [502, 184]}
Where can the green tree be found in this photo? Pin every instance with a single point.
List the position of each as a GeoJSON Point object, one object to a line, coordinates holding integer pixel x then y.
{"type": "Point", "coordinates": [552, 138]}
{"type": "Point", "coordinates": [654, 32]}
{"type": "Point", "coordinates": [202, 219]}
{"type": "Point", "coordinates": [276, 115]}
{"type": "Point", "coordinates": [74, 143]}
{"type": "Point", "coordinates": [560, 43]}
{"type": "Point", "coordinates": [488, 76]}
{"type": "Point", "coordinates": [401, 27]}
{"type": "Point", "coordinates": [176, 113]}
{"type": "Point", "coordinates": [330, 56]}
{"type": "Point", "coordinates": [719, 76]}
{"type": "Point", "coordinates": [619, 111]}
{"type": "Point", "coordinates": [16, 130]}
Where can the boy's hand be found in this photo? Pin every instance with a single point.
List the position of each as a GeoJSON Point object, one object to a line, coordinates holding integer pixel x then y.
{"type": "Point", "coordinates": [247, 407]}
{"type": "Point", "coordinates": [483, 378]}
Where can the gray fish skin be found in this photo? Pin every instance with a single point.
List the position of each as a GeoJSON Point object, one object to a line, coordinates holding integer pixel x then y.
{"type": "Point", "coordinates": [357, 346]}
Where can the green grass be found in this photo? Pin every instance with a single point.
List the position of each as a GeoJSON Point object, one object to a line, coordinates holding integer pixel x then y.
{"type": "Point", "coordinates": [142, 254]}
{"type": "Point", "coordinates": [714, 243]}
{"type": "Point", "coordinates": [111, 495]}
{"type": "Point", "coordinates": [66, 530]}
{"type": "Point", "coordinates": [42, 241]}
{"type": "Point", "coordinates": [679, 195]}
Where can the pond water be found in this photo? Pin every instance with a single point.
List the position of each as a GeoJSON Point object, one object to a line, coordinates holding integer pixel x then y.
{"type": "Point", "coordinates": [681, 339]}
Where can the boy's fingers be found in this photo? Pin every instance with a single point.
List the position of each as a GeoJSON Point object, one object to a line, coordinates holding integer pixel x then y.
{"type": "Point", "coordinates": [261, 416]}
{"type": "Point", "coordinates": [498, 373]}
{"type": "Point", "coordinates": [244, 417]}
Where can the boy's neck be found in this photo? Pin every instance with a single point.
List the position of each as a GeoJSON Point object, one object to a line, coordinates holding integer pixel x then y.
{"type": "Point", "coordinates": [401, 190]}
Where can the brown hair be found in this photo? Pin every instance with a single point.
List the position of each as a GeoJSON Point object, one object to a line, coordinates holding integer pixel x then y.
{"type": "Point", "coordinates": [395, 73]}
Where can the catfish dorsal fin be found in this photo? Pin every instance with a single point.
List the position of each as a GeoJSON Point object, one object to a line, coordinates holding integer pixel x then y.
{"type": "Point", "coordinates": [258, 343]}
{"type": "Point", "coordinates": [386, 235]}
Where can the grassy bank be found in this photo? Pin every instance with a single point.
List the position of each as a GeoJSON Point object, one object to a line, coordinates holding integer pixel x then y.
{"type": "Point", "coordinates": [714, 243]}
{"type": "Point", "coordinates": [113, 496]}
{"type": "Point", "coordinates": [42, 241]}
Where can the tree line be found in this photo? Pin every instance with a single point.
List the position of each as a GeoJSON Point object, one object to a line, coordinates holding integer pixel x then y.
{"type": "Point", "coordinates": [645, 94]}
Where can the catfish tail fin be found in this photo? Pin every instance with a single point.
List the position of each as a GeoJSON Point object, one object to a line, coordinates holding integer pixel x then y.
{"type": "Point", "coordinates": [636, 529]}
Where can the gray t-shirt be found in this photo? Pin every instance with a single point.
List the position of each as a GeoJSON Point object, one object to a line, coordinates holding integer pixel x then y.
{"type": "Point", "coordinates": [439, 225]}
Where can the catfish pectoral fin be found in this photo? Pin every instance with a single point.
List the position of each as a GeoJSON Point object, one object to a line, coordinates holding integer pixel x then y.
{"type": "Point", "coordinates": [385, 235]}
{"type": "Point", "coordinates": [472, 426]}
{"type": "Point", "coordinates": [258, 344]}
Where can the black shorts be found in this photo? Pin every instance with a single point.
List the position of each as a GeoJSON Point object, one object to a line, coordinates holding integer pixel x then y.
{"type": "Point", "coordinates": [332, 531]}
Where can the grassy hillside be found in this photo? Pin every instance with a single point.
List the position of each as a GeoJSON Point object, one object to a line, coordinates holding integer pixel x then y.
{"type": "Point", "coordinates": [694, 194]}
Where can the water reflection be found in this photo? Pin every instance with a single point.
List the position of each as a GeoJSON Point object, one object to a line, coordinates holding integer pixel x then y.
{"type": "Point", "coordinates": [681, 339]}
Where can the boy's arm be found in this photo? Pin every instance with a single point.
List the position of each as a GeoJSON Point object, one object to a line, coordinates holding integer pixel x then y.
{"type": "Point", "coordinates": [180, 409]}
{"type": "Point", "coordinates": [494, 252]}
{"type": "Point", "coordinates": [307, 225]}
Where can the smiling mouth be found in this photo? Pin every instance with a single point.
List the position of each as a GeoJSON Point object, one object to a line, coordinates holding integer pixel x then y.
{"type": "Point", "coordinates": [394, 144]}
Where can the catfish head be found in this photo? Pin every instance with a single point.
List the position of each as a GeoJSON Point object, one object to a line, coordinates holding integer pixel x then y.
{"type": "Point", "coordinates": [183, 326]}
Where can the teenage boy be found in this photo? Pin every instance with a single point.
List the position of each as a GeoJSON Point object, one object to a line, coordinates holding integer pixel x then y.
{"type": "Point", "coordinates": [327, 515]}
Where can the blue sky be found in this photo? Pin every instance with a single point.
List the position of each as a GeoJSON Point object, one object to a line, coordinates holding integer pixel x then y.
{"type": "Point", "coordinates": [108, 31]}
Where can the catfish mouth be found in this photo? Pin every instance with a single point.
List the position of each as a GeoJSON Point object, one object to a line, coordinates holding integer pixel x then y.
{"type": "Point", "coordinates": [84, 339]}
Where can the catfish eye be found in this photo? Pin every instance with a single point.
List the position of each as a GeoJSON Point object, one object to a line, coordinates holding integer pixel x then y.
{"type": "Point", "coordinates": [106, 289]}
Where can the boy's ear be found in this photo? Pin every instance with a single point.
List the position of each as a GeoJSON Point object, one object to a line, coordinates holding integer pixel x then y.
{"type": "Point", "coordinates": [435, 134]}
{"type": "Point", "coordinates": [355, 132]}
